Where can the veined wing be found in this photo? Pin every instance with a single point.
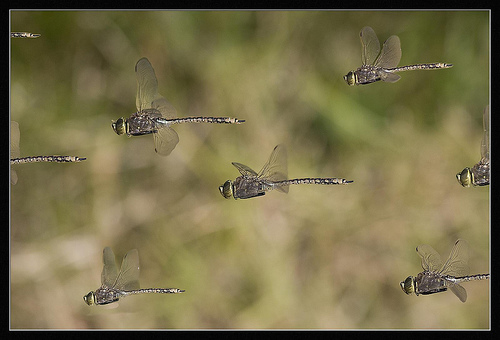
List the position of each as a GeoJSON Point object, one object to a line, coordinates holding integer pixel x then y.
{"type": "Point", "coordinates": [391, 53]}
{"type": "Point", "coordinates": [245, 170]}
{"type": "Point", "coordinates": [14, 140]}
{"type": "Point", "coordinates": [165, 139]}
{"type": "Point", "coordinates": [275, 168]}
{"type": "Point", "coordinates": [128, 278]}
{"type": "Point", "coordinates": [485, 143]}
{"type": "Point", "coordinates": [456, 264]}
{"type": "Point", "coordinates": [109, 271]}
{"type": "Point", "coordinates": [430, 258]}
{"type": "Point", "coordinates": [459, 291]}
{"type": "Point", "coordinates": [147, 90]}
{"type": "Point", "coordinates": [370, 46]}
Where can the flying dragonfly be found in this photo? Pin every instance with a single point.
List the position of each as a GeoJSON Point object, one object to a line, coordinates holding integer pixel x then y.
{"type": "Point", "coordinates": [273, 175]}
{"type": "Point", "coordinates": [115, 285]}
{"type": "Point", "coordinates": [438, 277]}
{"type": "Point", "coordinates": [378, 65]}
{"type": "Point", "coordinates": [155, 114]}
{"type": "Point", "coordinates": [15, 154]}
{"type": "Point", "coordinates": [24, 35]}
{"type": "Point", "coordinates": [479, 174]}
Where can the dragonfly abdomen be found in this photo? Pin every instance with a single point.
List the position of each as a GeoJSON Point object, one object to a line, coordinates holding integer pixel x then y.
{"type": "Point", "coordinates": [57, 159]}
{"type": "Point", "coordinates": [469, 278]}
{"type": "Point", "coordinates": [430, 66]}
{"type": "Point", "coordinates": [23, 35]}
{"type": "Point", "coordinates": [214, 120]}
{"type": "Point", "coordinates": [155, 290]}
{"type": "Point", "coordinates": [323, 181]}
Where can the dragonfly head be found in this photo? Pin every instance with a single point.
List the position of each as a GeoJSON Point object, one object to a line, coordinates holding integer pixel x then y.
{"type": "Point", "coordinates": [89, 298]}
{"type": "Point", "coordinates": [120, 126]}
{"type": "Point", "coordinates": [465, 178]}
{"type": "Point", "coordinates": [408, 285]}
{"type": "Point", "coordinates": [226, 189]}
{"type": "Point", "coordinates": [350, 78]}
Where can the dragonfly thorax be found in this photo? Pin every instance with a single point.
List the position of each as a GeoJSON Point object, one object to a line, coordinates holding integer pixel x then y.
{"type": "Point", "coordinates": [226, 189]}
{"type": "Point", "coordinates": [350, 78]}
{"type": "Point", "coordinates": [120, 126]}
{"type": "Point", "coordinates": [408, 285]}
{"type": "Point", "coordinates": [465, 178]}
{"type": "Point", "coordinates": [89, 298]}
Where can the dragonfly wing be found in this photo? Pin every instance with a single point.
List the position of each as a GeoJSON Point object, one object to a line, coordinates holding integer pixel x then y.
{"type": "Point", "coordinates": [165, 139]}
{"type": "Point", "coordinates": [370, 46]}
{"type": "Point", "coordinates": [456, 264]}
{"type": "Point", "coordinates": [275, 168]}
{"type": "Point", "coordinates": [485, 143]}
{"type": "Point", "coordinates": [166, 109]}
{"type": "Point", "coordinates": [109, 271]}
{"type": "Point", "coordinates": [430, 258]}
{"type": "Point", "coordinates": [14, 140]}
{"type": "Point", "coordinates": [459, 291]}
{"type": "Point", "coordinates": [13, 176]}
{"type": "Point", "coordinates": [128, 279]}
{"type": "Point", "coordinates": [245, 170]}
{"type": "Point", "coordinates": [388, 77]}
{"type": "Point", "coordinates": [391, 53]}
{"type": "Point", "coordinates": [147, 85]}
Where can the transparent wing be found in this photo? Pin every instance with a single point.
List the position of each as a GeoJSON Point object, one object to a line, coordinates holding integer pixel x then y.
{"type": "Point", "coordinates": [165, 139]}
{"type": "Point", "coordinates": [275, 168]}
{"type": "Point", "coordinates": [128, 279]}
{"type": "Point", "coordinates": [245, 170]}
{"type": "Point", "coordinates": [391, 53]}
{"type": "Point", "coordinates": [370, 46]}
{"type": "Point", "coordinates": [166, 109]}
{"type": "Point", "coordinates": [109, 271]}
{"type": "Point", "coordinates": [388, 77]}
{"type": "Point", "coordinates": [457, 262]}
{"type": "Point", "coordinates": [147, 85]}
{"type": "Point", "coordinates": [459, 291]}
{"type": "Point", "coordinates": [13, 176]}
{"type": "Point", "coordinates": [147, 91]}
{"type": "Point", "coordinates": [14, 140]}
{"type": "Point", "coordinates": [430, 258]}
{"type": "Point", "coordinates": [485, 143]}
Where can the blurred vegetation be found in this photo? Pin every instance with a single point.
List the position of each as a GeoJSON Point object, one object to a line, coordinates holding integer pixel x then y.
{"type": "Point", "coordinates": [320, 257]}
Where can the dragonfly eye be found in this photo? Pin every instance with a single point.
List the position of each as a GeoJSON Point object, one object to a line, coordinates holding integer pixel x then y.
{"type": "Point", "coordinates": [89, 298]}
{"type": "Point", "coordinates": [407, 285]}
{"type": "Point", "coordinates": [119, 126]}
{"type": "Point", "coordinates": [465, 177]}
{"type": "Point", "coordinates": [350, 78]}
{"type": "Point", "coordinates": [226, 189]}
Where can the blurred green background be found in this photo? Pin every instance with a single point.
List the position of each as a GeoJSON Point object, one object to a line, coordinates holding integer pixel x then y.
{"type": "Point", "coordinates": [319, 257]}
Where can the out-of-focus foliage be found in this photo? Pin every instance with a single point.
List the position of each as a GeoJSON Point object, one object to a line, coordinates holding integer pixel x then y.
{"type": "Point", "coordinates": [319, 257]}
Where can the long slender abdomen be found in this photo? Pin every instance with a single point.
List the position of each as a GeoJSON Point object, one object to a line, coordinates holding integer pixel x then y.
{"type": "Point", "coordinates": [430, 66]}
{"type": "Point", "coordinates": [213, 120]}
{"type": "Point", "coordinates": [156, 290]}
{"type": "Point", "coordinates": [57, 159]}
{"type": "Point", "coordinates": [472, 277]}
{"type": "Point", "coordinates": [323, 181]}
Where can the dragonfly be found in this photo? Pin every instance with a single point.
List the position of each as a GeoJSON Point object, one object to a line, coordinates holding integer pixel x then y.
{"type": "Point", "coordinates": [382, 65]}
{"type": "Point", "coordinates": [115, 285]}
{"type": "Point", "coordinates": [479, 174]}
{"type": "Point", "coordinates": [438, 277]}
{"type": "Point", "coordinates": [16, 159]}
{"type": "Point", "coordinates": [24, 35]}
{"type": "Point", "coordinates": [273, 175]}
{"type": "Point", "coordinates": [155, 114]}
